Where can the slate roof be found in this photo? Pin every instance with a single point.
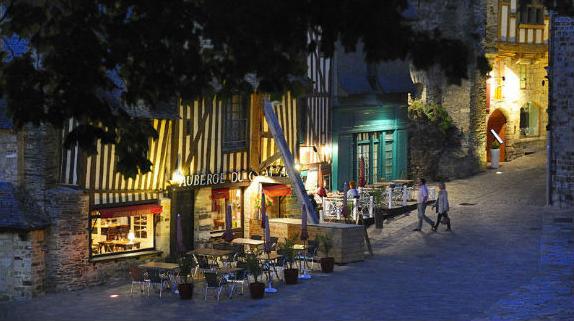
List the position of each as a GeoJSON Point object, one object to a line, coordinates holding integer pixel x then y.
{"type": "Point", "coordinates": [356, 77]}
{"type": "Point", "coordinates": [5, 122]}
{"type": "Point", "coordinates": [14, 216]}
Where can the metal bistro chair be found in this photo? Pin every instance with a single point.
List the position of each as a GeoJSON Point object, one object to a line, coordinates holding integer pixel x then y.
{"type": "Point", "coordinates": [157, 278]}
{"type": "Point", "coordinates": [138, 277]}
{"type": "Point", "coordinates": [239, 277]}
{"type": "Point", "coordinates": [310, 253]}
{"type": "Point", "coordinates": [215, 281]}
{"type": "Point", "coordinates": [202, 264]}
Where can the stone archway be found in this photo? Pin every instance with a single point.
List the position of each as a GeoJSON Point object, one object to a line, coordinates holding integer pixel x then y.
{"type": "Point", "coordinates": [496, 121]}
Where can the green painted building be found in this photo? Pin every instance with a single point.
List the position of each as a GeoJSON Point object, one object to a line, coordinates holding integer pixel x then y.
{"type": "Point", "coordinates": [370, 119]}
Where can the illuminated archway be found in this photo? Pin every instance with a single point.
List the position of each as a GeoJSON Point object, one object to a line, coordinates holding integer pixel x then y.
{"type": "Point", "coordinates": [497, 122]}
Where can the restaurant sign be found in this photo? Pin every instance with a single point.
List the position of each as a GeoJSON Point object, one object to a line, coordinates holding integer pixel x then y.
{"type": "Point", "coordinates": [196, 180]}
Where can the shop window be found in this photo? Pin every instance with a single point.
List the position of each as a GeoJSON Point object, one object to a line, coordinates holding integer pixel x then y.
{"type": "Point", "coordinates": [373, 156]}
{"type": "Point", "coordinates": [235, 123]}
{"type": "Point", "coordinates": [523, 76]}
{"type": "Point", "coordinates": [529, 120]}
{"type": "Point", "coordinates": [121, 234]}
{"type": "Point", "coordinates": [220, 199]}
{"type": "Point", "coordinates": [531, 13]}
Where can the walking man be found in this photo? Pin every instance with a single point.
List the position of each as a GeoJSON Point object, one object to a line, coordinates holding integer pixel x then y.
{"type": "Point", "coordinates": [422, 199]}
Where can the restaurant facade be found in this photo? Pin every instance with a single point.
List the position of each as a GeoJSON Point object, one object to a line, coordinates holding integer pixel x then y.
{"type": "Point", "coordinates": [210, 152]}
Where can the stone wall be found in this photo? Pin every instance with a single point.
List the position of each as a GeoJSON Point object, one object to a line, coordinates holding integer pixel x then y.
{"type": "Point", "coordinates": [561, 113]}
{"type": "Point", "coordinates": [22, 264]}
{"type": "Point", "coordinates": [465, 103]}
{"type": "Point", "coordinates": [67, 263]}
{"type": "Point", "coordinates": [38, 161]}
{"type": "Point", "coordinates": [348, 240]}
{"type": "Point", "coordinates": [8, 156]}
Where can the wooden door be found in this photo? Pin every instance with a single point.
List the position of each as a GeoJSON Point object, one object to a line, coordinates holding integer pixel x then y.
{"type": "Point", "coordinates": [497, 122]}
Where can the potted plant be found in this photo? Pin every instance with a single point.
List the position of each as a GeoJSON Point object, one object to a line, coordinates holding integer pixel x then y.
{"type": "Point", "coordinates": [494, 154]}
{"type": "Point", "coordinates": [291, 272]}
{"type": "Point", "coordinates": [256, 289]}
{"type": "Point", "coordinates": [325, 245]}
{"type": "Point", "coordinates": [184, 279]}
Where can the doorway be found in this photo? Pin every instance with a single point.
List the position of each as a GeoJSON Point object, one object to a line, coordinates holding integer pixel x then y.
{"type": "Point", "coordinates": [182, 203]}
{"type": "Point", "coordinates": [497, 122]}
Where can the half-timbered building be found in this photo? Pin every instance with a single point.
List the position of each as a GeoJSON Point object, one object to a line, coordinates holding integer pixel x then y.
{"type": "Point", "coordinates": [517, 89]}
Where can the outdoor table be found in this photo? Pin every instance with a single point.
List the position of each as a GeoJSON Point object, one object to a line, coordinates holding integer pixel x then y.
{"type": "Point", "coordinates": [214, 254]}
{"type": "Point", "coordinates": [229, 270]}
{"type": "Point", "coordinates": [211, 252]}
{"type": "Point", "coordinates": [160, 266]}
{"type": "Point", "coordinates": [169, 268]}
{"type": "Point", "coordinates": [247, 241]}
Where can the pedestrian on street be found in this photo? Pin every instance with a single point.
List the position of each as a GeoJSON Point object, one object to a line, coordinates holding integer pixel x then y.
{"type": "Point", "coordinates": [353, 192]}
{"type": "Point", "coordinates": [442, 208]}
{"type": "Point", "coordinates": [423, 196]}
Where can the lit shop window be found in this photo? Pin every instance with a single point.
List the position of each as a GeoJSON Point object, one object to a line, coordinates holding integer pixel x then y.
{"type": "Point", "coordinates": [529, 120]}
{"type": "Point", "coordinates": [221, 198]}
{"type": "Point", "coordinates": [115, 232]}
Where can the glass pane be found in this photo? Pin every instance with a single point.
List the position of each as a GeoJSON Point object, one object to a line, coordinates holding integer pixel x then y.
{"type": "Point", "coordinates": [122, 234]}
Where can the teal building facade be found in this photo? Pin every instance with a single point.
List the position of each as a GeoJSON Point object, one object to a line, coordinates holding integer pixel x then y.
{"type": "Point", "coordinates": [370, 120]}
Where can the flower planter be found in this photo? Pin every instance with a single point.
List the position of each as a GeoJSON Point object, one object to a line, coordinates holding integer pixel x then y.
{"type": "Point", "coordinates": [291, 276]}
{"type": "Point", "coordinates": [495, 158]}
{"type": "Point", "coordinates": [185, 291]}
{"type": "Point", "coordinates": [327, 264]}
{"type": "Point", "coordinates": [257, 290]}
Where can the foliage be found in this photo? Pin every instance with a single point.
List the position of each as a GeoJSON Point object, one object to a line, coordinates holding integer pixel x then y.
{"type": "Point", "coordinates": [431, 133]}
{"type": "Point", "coordinates": [253, 266]}
{"type": "Point", "coordinates": [286, 249]}
{"type": "Point", "coordinates": [325, 243]}
{"type": "Point", "coordinates": [431, 112]}
{"type": "Point", "coordinates": [495, 145]}
{"type": "Point", "coordinates": [186, 264]}
{"type": "Point", "coordinates": [268, 202]}
{"type": "Point", "coordinates": [98, 60]}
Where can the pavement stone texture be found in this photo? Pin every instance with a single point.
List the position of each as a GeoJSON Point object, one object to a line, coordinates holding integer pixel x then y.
{"type": "Point", "coordinates": [507, 258]}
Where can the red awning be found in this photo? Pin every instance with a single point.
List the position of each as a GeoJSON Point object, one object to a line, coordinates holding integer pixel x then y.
{"type": "Point", "coordinates": [133, 210]}
{"type": "Point", "coordinates": [276, 190]}
{"type": "Point", "coordinates": [218, 193]}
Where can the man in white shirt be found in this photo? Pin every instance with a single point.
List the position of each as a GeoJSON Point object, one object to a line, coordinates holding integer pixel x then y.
{"type": "Point", "coordinates": [422, 199]}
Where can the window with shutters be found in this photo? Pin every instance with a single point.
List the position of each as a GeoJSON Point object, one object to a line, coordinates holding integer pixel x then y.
{"type": "Point", "coordinates": [235, 123]}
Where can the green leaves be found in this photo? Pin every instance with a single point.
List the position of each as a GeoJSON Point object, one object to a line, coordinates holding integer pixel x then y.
{"type": "Point", "coordinates": [187, 49]}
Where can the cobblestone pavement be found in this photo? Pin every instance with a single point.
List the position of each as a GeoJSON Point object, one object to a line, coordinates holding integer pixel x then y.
{"type": "Point", "coordinates": [508, 258]}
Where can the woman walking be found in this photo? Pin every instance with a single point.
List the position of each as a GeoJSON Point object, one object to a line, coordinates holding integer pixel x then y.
{"type": "Point", "coordinates": [442, 207]}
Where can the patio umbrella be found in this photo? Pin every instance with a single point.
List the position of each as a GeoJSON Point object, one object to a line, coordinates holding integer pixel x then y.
{"type": "Point", "coordinates": [228, 234]}
{"type": "Point", "coordinates": [304, 233]}
{"type": "Point", "coordinates": [304, 237]}
{"type": "Point", "coordinates": [263, 210]}
{"type": "Point", "coordinates": [267, 244]}
{"type": "Point", "coordinates": [179, 235]}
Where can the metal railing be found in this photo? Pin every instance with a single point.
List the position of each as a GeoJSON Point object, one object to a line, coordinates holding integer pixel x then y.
{"type": "Point", "coordinates": [369, 199]}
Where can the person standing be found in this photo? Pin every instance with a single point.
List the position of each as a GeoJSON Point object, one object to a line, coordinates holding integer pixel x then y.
{"type": "Point", "coordinates": [353, 192]}
{"type": "Point", "coordinates": [442, 207]}
{"type": "Point", "coordinates": [423, 196]}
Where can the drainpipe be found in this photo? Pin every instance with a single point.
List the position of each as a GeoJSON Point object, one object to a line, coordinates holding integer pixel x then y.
{"type": "Point", "coordinates": [549, 149]}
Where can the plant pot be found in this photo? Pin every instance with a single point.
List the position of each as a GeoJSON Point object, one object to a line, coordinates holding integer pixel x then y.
{"type": "Point", "coordinates": [185, 291]}
{"type": "Point", "coordinates": [257, 290]}
{"type": "Point", "coordinates": [291, 276]}
{"type": "Point", "coordinates": [327, 264]}
{"type": "Point", "coordinates": [495, 158]}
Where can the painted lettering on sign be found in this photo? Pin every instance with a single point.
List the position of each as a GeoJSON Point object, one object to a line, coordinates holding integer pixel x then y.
{"type": "Point", "coordinates": [230, 177]}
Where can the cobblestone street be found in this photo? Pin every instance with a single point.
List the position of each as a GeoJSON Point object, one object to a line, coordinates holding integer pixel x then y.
{"type": "Point", "coordinates": [507, 258]}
